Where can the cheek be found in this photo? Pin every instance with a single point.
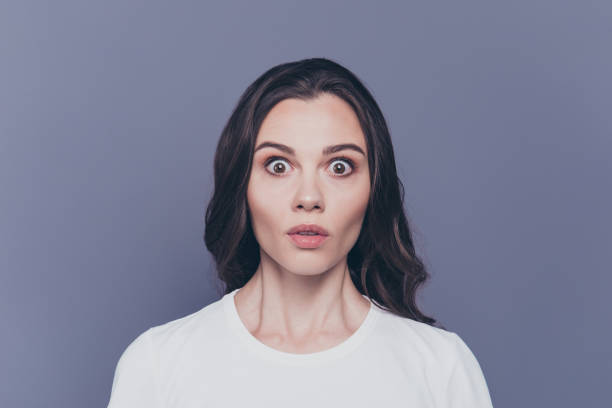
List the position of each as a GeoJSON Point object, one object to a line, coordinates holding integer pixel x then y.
{"type": "Point", "coordinates": [263, 206]}
{"type": "Point", "coordinates": [353, 202]}
{"type": "Point", "coordinates": [349, 208]}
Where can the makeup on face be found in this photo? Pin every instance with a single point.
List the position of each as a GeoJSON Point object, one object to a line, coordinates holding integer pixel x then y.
{"type": "Point", "coordinates": [347, 167]}
{"type": "Point", "coordinates": [308, 236]}
{"type": "Point", "coordinates": [307, 241]}
{"type": "Point", "coordinates": [309, 185]}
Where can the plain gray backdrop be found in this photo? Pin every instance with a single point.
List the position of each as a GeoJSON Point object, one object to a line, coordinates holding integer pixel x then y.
{"type": "Point", "coordinates": [501, 118]}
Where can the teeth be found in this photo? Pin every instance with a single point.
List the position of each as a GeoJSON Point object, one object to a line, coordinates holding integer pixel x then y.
{"type": "Point", "coordinates": [307, 233]}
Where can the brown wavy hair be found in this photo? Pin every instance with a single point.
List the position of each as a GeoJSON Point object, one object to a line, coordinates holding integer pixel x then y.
{"type": "Point", "coordinates": [383, 264]}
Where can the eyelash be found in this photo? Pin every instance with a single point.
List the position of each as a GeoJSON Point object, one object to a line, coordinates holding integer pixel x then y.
{"type": "Point", "coordinates": [341, 158]}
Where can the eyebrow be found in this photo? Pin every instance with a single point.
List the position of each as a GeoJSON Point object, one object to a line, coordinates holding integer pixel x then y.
{"type": "Point", "coordinates": [326, 151]}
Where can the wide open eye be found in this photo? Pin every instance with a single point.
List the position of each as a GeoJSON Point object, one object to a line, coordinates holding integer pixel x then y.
{"type": "Point", "coordinates": [276, 166]}
{"type": "Point", "coordinates": [342, 167]}
{"type": "Point", "coordinates": [339, 167]}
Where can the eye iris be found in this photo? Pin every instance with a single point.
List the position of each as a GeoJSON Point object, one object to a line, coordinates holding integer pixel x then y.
{"type": "Point", "coordinates": [279, 166]}
{"type": "Point", "coordinates": [340, 167]}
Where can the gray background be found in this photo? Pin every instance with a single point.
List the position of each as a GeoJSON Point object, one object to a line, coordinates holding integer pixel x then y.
{"type": "Point", "coordinates": [500, 114]}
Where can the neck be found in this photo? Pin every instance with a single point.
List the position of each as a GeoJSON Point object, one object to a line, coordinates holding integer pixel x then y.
{"type": "Point", "coordinates": [301, 311]}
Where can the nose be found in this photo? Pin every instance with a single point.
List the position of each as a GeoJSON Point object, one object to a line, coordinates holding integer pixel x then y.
{"type": "Point", "coordinates": [308, 195]}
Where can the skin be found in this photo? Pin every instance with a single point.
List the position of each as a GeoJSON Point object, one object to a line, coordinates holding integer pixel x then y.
{"type": "Point", "coordinates": [303, 300]}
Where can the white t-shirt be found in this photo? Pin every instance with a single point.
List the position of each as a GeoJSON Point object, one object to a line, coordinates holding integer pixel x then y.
{"type": "Point", "coordinates": [209, 359]}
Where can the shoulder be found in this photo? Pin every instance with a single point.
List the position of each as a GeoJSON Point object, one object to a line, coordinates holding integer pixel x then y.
{"type": "Point", "coordinates": [178, 336]}
{"type": "Point", "coordinates": [198, 328]}
{"type": "Point", "coordinates": [205, 318]}
{"type": "Point", "coordinates": [437, 350]}
{"type": "Point", "coordinates": [427, 341]}
{"type": "Point", "coordinates": [448, 363]}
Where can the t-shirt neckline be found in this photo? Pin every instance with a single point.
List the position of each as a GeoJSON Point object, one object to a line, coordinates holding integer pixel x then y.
{"type": "Point", "coordinates": [270, 353]}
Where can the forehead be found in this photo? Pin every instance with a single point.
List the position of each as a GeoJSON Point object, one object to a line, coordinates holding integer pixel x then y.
{"type": "Point", "coordinates": [321, 121]}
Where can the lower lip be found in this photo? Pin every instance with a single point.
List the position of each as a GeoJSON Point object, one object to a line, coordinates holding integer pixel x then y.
{"type": "Point", "coordinates": [308, 241]}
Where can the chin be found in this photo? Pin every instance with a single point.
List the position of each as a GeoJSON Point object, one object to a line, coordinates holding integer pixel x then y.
{"type": "Point", "coordinates": [307, 271]}
{"type": "Point", "coordinates": [309, 264]}
{"type": "Point", "coordinates": [306, 262]}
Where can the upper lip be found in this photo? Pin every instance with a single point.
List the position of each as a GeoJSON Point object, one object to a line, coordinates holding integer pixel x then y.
{"type": "Point", "coordinates": [308, 227]}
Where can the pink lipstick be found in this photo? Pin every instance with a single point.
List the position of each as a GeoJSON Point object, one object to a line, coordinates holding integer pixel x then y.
{"type": "Point", "coordinates": [308, 235]}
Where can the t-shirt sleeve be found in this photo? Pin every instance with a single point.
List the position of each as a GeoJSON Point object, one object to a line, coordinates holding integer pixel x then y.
{"type": "Point", "coordinates": [134, 383]}
{"type": "Point", "coordinates": [466, 386]}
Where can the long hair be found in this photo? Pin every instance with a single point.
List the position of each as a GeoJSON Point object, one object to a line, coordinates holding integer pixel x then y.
{"type": "Point", "coordinates": [382, 264]}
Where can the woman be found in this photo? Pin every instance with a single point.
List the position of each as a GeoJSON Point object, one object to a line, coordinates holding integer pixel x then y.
{"type": "Point", "coordinates": [307, 229]}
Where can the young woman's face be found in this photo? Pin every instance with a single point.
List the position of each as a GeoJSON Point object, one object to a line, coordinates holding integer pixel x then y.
{"type": "Point", "coordinates": [297, 181]}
